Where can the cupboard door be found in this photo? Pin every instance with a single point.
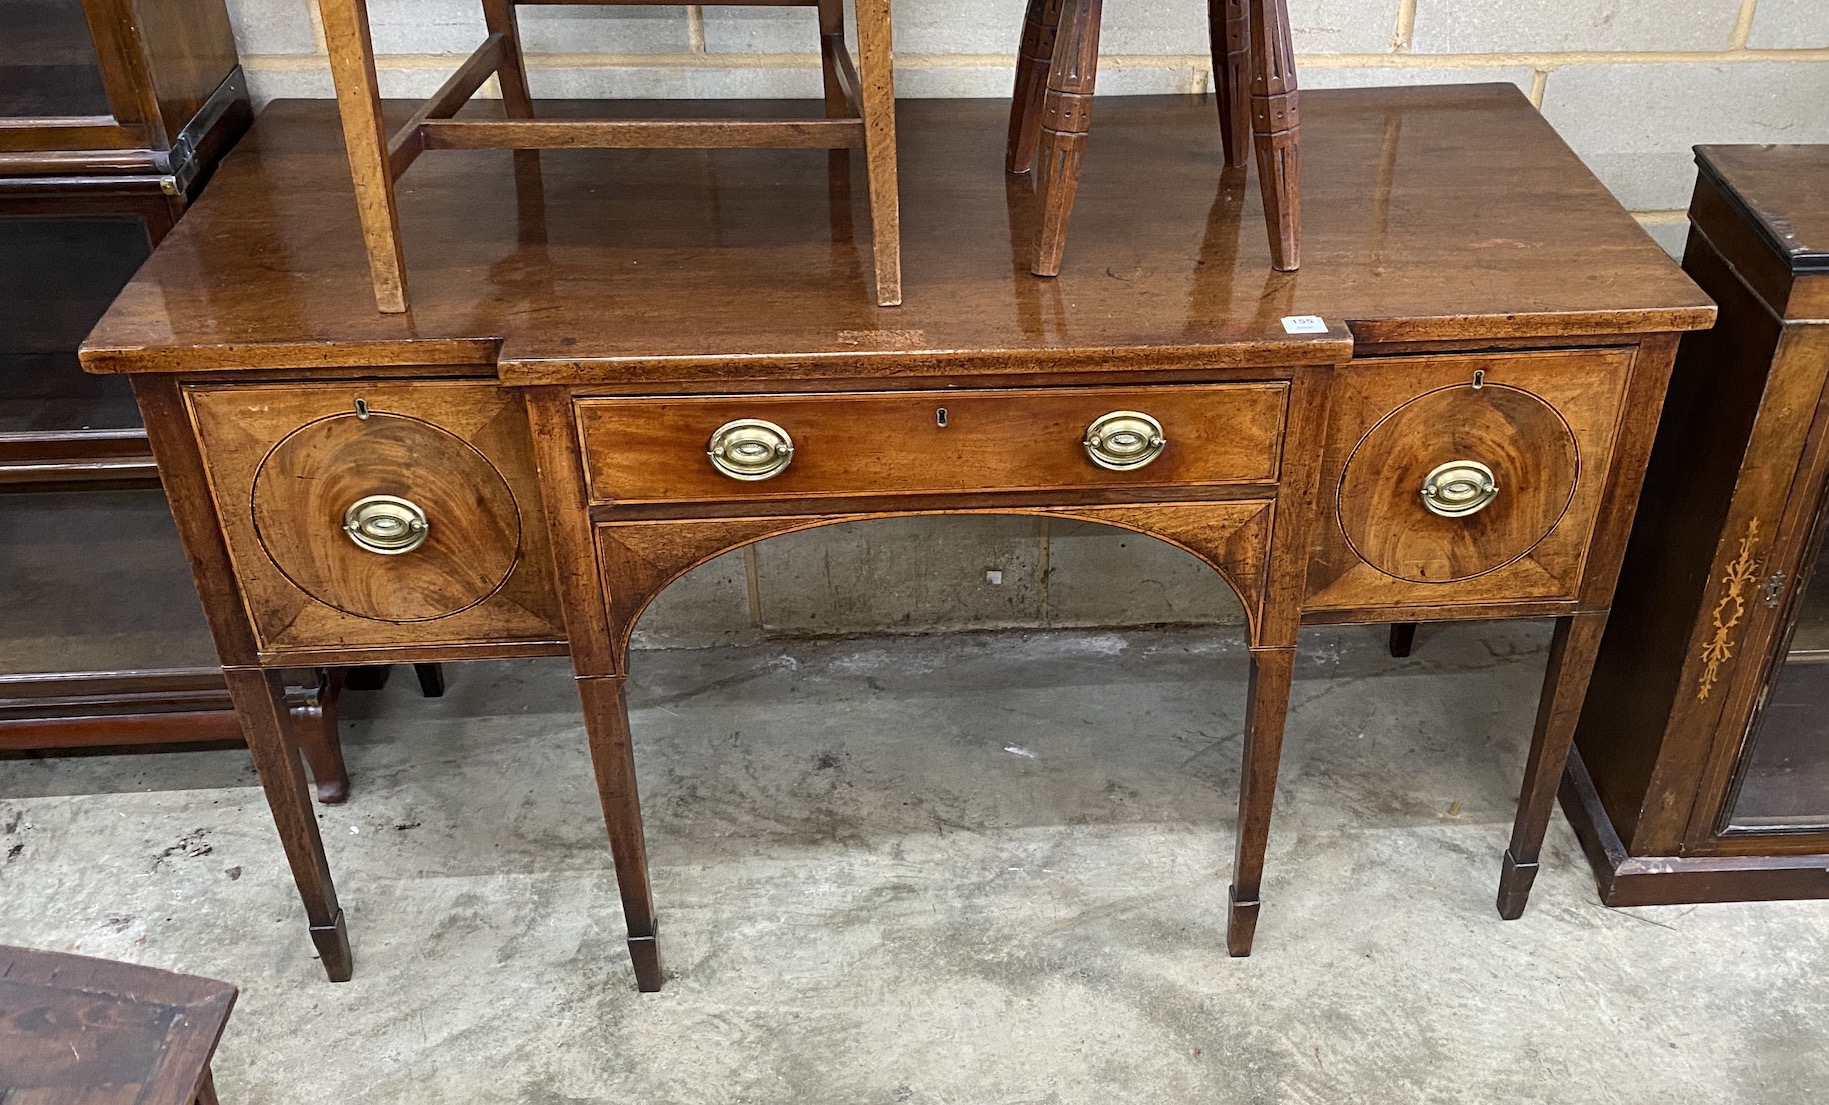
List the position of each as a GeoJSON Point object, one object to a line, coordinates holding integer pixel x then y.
{"type": "Point", "coordinates": [1783, 780]}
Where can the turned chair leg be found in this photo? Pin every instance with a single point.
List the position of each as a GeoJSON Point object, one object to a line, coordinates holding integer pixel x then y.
{"type": "Point", "coordinates": [1034, 60]}
{"type": "Point", "coordinates": [1066, 118]}
{"type": "Point", "coordinates": [1266, 711]}
{"type": "Point", "coordinates": [260, 701]}
{"type": "Point", "coordinates": [606, 721]}
{"type": "Point", "coordinates": [1276, 123]}
{"type": "Point", "coordinates": [1228, 24]}
{"type": "Point", "coordinates": [1565, 684]}
{"type": "Point", "coordinates": [352, 68]}
{"type": "Point", "coordinates": [875, 66]}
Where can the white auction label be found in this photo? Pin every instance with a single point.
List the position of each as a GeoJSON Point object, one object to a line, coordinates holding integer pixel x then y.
{"type": "Point", "coordinates": [1304, 324]}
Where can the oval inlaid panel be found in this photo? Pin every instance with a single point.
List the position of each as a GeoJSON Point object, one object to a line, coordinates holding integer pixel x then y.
{"type": "Point", "coordinates": [313, 475]}
{"type": "Point", "coordinates": [1527, 444]}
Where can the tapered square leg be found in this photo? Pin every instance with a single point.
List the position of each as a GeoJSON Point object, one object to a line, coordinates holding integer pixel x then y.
{"type": "Point", "coordinates": [1241, 924]}
{"type": "Point", "coordinates": [1565, 684]}
{"type": "Point", "coordinates": [1272, 672]}
{"type": "Point", "coordinates": [606, 720]}
{"type": "Point", "coordinates": [1066, 118]}
{"type": "Point", "coordinates": [260, 702]}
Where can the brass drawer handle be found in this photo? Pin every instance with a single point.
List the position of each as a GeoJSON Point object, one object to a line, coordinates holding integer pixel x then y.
{"type": "Point", "coordinates": [750, 449]}
{"type": "Point", "coordinates": [1124, 440]}
{"type": "Point", "coordinates": [1459, 488]}
{"type": "Point", "coordinates": [386, 524]}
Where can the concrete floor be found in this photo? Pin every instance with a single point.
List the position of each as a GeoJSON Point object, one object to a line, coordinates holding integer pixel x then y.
{"type": "Point", "coordinates": [976, 870]}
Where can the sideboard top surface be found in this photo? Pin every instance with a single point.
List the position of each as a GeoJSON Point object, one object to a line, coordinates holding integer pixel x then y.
{"type": "Point", "coordinates": [1444, 214]}
{"type": "Point", "coordinates": [1784, 191]}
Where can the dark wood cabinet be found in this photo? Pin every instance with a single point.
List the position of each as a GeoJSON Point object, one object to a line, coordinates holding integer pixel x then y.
{"type": "Point", "coordinates": [1702, 766]}
{"type": "Point", "coordinates": [112, 114]}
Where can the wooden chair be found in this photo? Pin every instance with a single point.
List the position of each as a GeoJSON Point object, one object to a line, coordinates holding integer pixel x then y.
{"type": "Point", "coordinates": [1254, 74]}
{"type": "Point", "coordinates": [859, 102]}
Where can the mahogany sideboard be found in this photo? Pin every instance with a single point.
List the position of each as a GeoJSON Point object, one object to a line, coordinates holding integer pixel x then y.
{"type": "Point", "coordinates": [1703, 772]}
{"type": "Point", "coordinates": [620, 364]}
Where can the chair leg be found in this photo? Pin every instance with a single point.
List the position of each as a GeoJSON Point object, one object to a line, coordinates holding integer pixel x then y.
{"type": "Point", "coordinates": [1272, 671]}
{"type": "Point", "coordinates": [1565, 684]}
{"type": "Point", "coordinates": [260, 701]}
{"type": "Point", "coordinates": [1034, 58]}
{"type": "Point", "coordinates": [352, 67]}
{"type": "Point", "coordinates": [1276, 122]}
{"type": "Point", "coordinates": [1228, 26]}
{"type": "Point", "coordinates": [876, 73]}
{"type": "Point", "coordinates": [316, 726]}
{"type": "Point", "coordinates": [499, 18]}
{"type": "Point", "coordinates": [1066, 118]}
{"type": "Point", "coordinates": [606, 720]}
{"type": "Point", "coordinates": [831, 42]}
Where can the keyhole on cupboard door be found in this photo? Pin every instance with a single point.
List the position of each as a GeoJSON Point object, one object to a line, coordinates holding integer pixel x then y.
{"type": "Point", "coordinates": [940, 418]}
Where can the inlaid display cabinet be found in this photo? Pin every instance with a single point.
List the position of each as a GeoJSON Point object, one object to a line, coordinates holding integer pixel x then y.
{"type": "Point", "coordinates": [1702, 765]}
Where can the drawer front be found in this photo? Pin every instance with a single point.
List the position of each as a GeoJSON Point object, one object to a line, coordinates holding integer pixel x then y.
{"type": "Point", "coordinates": [380, 515]}
{"type": "Point", "coordinates": [1465, 479]}
{"type": "Point", "coordinates": [656, 450]}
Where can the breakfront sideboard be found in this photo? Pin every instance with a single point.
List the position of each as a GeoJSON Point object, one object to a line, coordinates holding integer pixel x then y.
{"type": "Point", "coordinates": [618, 365]}
{"type": "Point", "coordinates": [1703, 772]}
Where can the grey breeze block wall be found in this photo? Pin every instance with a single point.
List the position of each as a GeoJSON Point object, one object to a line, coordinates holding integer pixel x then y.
{"type": "Point", "coordinates": [1631, 84]}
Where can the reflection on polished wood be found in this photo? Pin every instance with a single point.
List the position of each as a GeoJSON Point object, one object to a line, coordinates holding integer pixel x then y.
{"type": "Point", "coordinates": [588, 322]}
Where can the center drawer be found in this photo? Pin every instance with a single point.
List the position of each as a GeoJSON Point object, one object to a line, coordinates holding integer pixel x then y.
{"type": "Point", "coordinates": [896, 443]}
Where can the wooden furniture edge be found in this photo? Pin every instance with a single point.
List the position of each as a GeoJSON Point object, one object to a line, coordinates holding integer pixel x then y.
{"type": "Point", "coordinates": [1627, 880]}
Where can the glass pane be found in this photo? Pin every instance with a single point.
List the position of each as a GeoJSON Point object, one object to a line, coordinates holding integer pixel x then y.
{"type": "Point", "coordinates": [48, 65]}
{"type": "Point", "coordinates": [57, 276]}
{"type": "Point", "coordinates": [1785, 780]}
{"type": "Point", "coordinates": [96, 581]}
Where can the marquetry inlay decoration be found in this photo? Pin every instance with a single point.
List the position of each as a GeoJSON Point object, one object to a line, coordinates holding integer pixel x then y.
{"type": "Point", "coordinates": [1730, 610]}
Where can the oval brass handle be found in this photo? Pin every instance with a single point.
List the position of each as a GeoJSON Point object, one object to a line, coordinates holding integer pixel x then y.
{"type": "Point", "coordinates": [1459, 488]}
{"type": "Point", "coordinates": [1124, 440]}
{"type": "Point", "coordinates": [386, 524]}
{"type": "Point", "coordinates": [750, 449]}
